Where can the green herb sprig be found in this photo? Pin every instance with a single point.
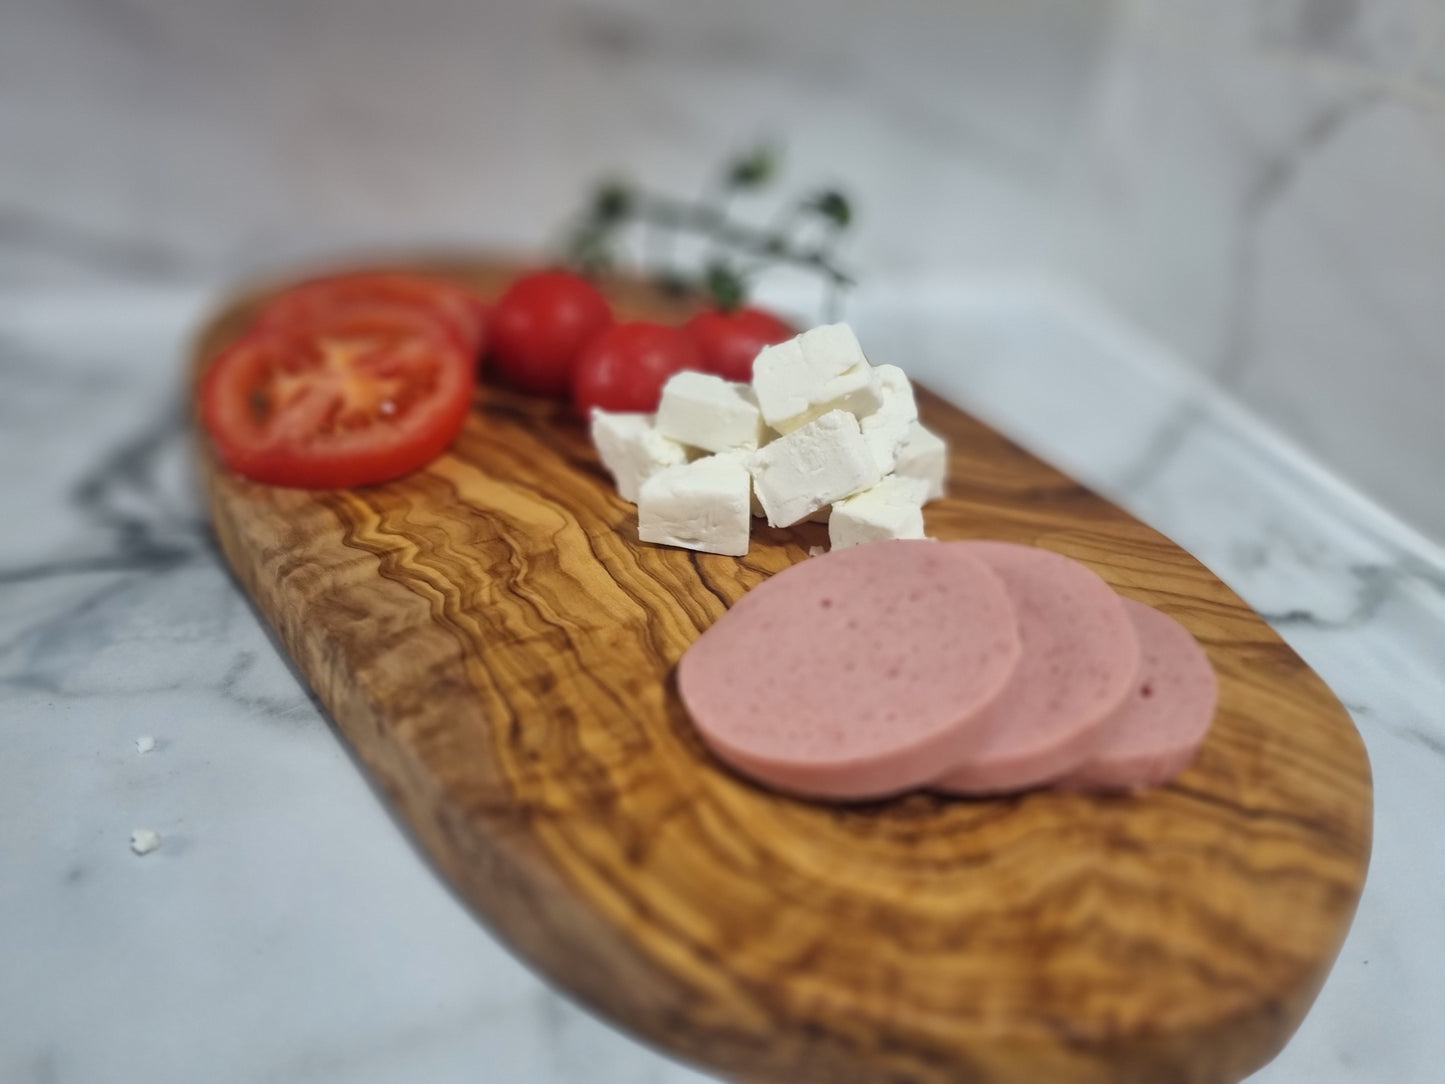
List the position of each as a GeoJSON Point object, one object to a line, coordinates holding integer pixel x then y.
{"type": "Point", "coordinates": [805, 234]}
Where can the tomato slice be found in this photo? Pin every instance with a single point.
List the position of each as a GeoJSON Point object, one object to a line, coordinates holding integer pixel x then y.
{"type": "Point", "coordinates": [317, 302]}
{"type": "Point", "coordinates": [376, 395]}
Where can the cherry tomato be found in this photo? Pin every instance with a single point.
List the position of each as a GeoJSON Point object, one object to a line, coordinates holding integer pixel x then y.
{"type": "Point", "coordinates": [374, 396]}
{"type": "Point", "coordinates": [539, 327]}
{"type": "Point", "coordinates": [315, 303]}
{"type": "Point", "coordinates": [625, 366]}
{"type": "Point", "coordinates": [729, 341]}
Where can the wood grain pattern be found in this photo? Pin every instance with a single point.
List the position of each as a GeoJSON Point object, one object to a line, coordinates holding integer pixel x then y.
{"type": "Point", "coordinates": [497, 645]}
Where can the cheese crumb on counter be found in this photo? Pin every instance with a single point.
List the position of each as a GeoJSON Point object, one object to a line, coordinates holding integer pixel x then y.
{"type": "Point", "coordinates": [891, 509]}
{"type": "Point", "coordinates": [632, 449]}
{"type": "Point", "coordinates": [145, 744]}
{"type": "Point", "coordinates": [703, 505]}
{"type": "Point", "coordinates": [708, 412]}
{"type": "Point", "coordinates": [815, 465]}
{"type": "Point", "coordinates": [817, 372]}
{"type": "Point", "coordinates": [144, 840]}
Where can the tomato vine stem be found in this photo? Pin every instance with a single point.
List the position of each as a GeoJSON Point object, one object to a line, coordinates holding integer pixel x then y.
{"type": "Point", "coordinates": [734, 252]}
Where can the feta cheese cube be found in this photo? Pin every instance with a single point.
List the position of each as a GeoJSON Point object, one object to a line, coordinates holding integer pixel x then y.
{"type": "Point", "coordinates": [886, 429]}
{"type": "Point", "coordinates": [702, 505]}
{"type": "Point", "coordinates": [819, 371]}
{"type": "Point", "coordinates": [709, 412]}
{"type": "Point", "coordinates": [924, 455]}
{"type": "Point", "coordinates": [891, 509]}
{"type": "Point", "coordinates": [632, 449]}
{"type": "Point", "coordinates": [822, 462]}
{"type": "Point", "coordinates": [743, 459]}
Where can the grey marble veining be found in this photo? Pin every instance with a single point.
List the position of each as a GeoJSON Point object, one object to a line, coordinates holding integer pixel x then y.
{"type": "Point", "coordinates": [163, 140]}
{"type": "Point", "coordinates": [1261, 189]}
{"type": "Point", "coordinates": [287, 930]}
{"type": "Point", "coordinates": [1382, 35]}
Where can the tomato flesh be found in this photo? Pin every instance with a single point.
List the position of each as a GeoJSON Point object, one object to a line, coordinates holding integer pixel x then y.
{"type": "Point", "coordinates": [316, 303]}
{"type": "Point", "coordinates": [371, 398]}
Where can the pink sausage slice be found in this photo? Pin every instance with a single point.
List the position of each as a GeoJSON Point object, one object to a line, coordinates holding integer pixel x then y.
{"type": "Point", "coordinates": [1079, 661]}
{"type": "Point", "coordinates": [852, 674]}
{"type": "Point", "coordinates": [1156, 732]}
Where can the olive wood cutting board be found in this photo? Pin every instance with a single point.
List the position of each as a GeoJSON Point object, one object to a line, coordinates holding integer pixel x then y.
{"type": "Point", "coordinates": [499, 648]}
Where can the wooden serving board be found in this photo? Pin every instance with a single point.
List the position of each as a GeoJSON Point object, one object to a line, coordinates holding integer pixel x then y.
{"type": "Point", "coordinates": [499, 648]}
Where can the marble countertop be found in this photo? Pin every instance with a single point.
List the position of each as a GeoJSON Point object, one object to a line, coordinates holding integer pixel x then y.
{"type": "Point", "coordinates": [287, 930]}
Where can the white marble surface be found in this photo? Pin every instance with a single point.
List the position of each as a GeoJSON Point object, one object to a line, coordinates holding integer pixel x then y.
{"type": "Point", "coordinates": [286, 930]}
{"type": "Point", "coordinates": [170, 139]}
{"type": "Point", "coordinates": [1260, 185]}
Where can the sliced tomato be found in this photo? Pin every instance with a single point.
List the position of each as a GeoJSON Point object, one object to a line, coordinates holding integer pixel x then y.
{"type": "Point", "coordinates": [315, 303]}
{"type": "Point", "coordinates": [376, 395]}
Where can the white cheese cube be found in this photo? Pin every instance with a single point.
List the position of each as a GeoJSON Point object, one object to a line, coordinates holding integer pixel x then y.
{"type": "Point", "coordinates": [702, 505]}
{"type": "Point", "coordinates": [800, 472]}
{"type": "Point", "coordinates": [924, 455]}
{"type": "Point", "coordinates": [806, 377]}
{"type": "Point", "coordinates": [632, 449]}
{"type": "Point", "coordinates": [709, 412]}
{"type": "Point", "coordinates": [891, 509]}
{"type": "Point", "coordinates": [744, 459]}
{"type": "Point", "coordinates": [886, 429]}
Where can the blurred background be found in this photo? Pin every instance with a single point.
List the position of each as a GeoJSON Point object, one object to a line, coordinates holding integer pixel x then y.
{"type": "Point", "coordinates": [1256, 184]}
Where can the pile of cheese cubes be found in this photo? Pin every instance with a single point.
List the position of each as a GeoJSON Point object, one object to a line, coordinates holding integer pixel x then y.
{"type": "Point", "coordinates": [819, 434]}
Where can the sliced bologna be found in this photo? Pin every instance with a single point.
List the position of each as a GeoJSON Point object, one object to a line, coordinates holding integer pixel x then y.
{"type": "Point", "coordinates": [854, 674]}
{"type": "Point", "coordinates": [1154, 735]}
{"type": "Point", "coordinates": [1080, 658]}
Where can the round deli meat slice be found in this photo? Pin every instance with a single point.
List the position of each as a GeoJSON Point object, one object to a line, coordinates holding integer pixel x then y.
{"type": "Point", "coordinates": [853, 674]}
{"type": "Point", "coordinates": [1155, 734]}
{"type": "Point", "coordinates": [1080, 658]}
